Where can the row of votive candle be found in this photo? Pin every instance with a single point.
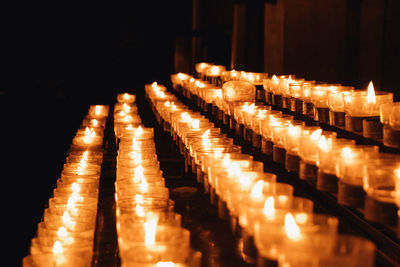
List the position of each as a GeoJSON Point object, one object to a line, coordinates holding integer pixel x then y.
{"type": "Point", "coordinates": [360, 175]}
{"type": "Point", "coordinates": [149, 231]}
{"type": "Point", "coordinates": [272, 224]}
{"type": "Point", "coordinates": [367, 112]}
{"type": "Point", "coordinates": [66, 233]}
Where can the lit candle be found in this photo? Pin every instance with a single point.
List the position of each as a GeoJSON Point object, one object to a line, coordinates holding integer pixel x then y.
{"type": "Point", "coordinates": [362, 105]}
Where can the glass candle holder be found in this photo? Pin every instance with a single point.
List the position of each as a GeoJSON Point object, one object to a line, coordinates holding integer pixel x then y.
{"type": "Point", "coordinates": [348, 166]}
{"type": "Point", "coordinates": [154, 243]}
{"type": "Point", "coordinates": [379, 184]}
{"type": "Point", "coordinates": [74, 247]}
{"type": "Point", "coordinates": [274, 234]}
{"type": "Point", "coordinates": [390, 118]}
{"type": "Point", "coordinates": [126, 98]}
{"type": "Point", "coordinates": [98, 111]}
{"type": "Point", "coordinates": [200, 68]}
{"type": "Point", "coordinates": [360, 105]}
{"type": "Point", "coordinates": [329, 152]}
{"type": "Point", "coordinates": [54, 259]}
{"type": "Point", "coordinates": [305, 96]}
{"type": "Point", "coordinates": [336, 106]}
{"type": "Point", "coordinates": [345, 250]}
{"type": "Point", "coordinates": [234, 91]}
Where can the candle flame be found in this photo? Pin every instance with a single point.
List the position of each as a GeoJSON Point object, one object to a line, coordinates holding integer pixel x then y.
{"type": "Point", "coordinates": [195, 124]}
{"type": "Point", "coordinates": [244, 181]}
{"type": "Point", "coordinates": [269, 207]}
{"type": "Point", "coordinates": [371, 99]}
{"type": "Point", "coordinates": [293, 131]}
{"type": "Point", "coordinates": [57, 248]}
{"type": "Point", "coordinates": [150, 232]}
{"type": "Point", "coordinates": [139, 131]}
{"type": "Point", "coordinates": [95, 122]}
{"type": "Point", "coordinates": [291, 228]}
{"type": "Point", "coordinates": [397, 172]}
{"type": "Point", "coordinates": [75, 187]}
{"type": "Point", "coordinates": [316, 134]}
{"type": "Point", "coordinates": [139, 210]}
{"type": "Point", "coordinates": [126, 96]}
{"type": "Point", "coordinates": [323, 143]}
{"type": "Point", "coordinates": [347, 152]}
{"type": "Point", "coordinates": [256, 191]}
{"type": "Point", "coordinates": [97, 109]}
{"type": "Point", "coordinates": [186, 117]}
{"type": "Point", "coordinates": [234, 169]}
{"type": "Point", "coordinates": [62, 232]}
{"type": "Point", "coordinates": [206, 134]}
{"type": "Point", "coordinates": [274, 78]}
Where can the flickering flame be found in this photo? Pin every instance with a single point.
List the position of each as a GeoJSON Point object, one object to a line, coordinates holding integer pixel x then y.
{"type": "Point", "coordinates": [316, 135]}
{"type": "Point", "coordinates": [347, 152]}
{"type": "Point", "coordinates": [262, 113]}
{"type": "Point", "coordinates": [269, 207]}
{"type": "Point", "coordinates": [397, 172]}
{"type": "Point", "coordinates": [206, 134]}
{"type": "Point", "coordinates": [139, 210]}
{"type": "Point", "coordinates": [291, 228]}
{"type": "Point", "coordinates": [234, 169]}
{"type": "Point", "coordinates": [62, 232]}
{"type": "Point", "coordinates": [97, 109]}
{"type": "Point", "coordinates": [126, 96]}
{"type": "Point", "coordinates": [57, 248]}
{"type": "Point", "coordinates": [323, 144]}
{"type": "Point", "coordinates": [186, 117]}
{"type": "Point", "coordinates": [289, 79]}
{"type": "Point", "coordinates": [138, 177]}
{"type": "Point", "coordinates": [75, 187]}
{"type": "Point", "coordinates": [126, 107]}
{"type": "Point", "coordinates": [275, 79]}
{"type": "Point", "coordinates": [168, 104]}
{"type": "Point", "coordinates": [136, 157]}
{"type": "Point", "coordinates": [139, 131]}
{"type": "Point", "coordinates": [66, 218]}
{"type": "Point", "coordinates": [256, 191]}
{"type": "Point", "coordinates": [195, 124]}
{"type": "Point", "coordinates": [371, 99]}
{"type": "Point", "coordinates": [214, 70]}
{"type": "Point", "coordinates": [95, 122]}
{"type": "Point", "coordinates": [293, 131]}
{"type": "Point", "coordinates": [150, 232]}
{"type": "Point", "coordinates": [154, 85]}
{"type": "Point", "coordinates": [218, 93]}
{"type": "Point", "coordinates": [244, 181]}
{"type": "Point", "coordinates": [181, 76]}
{"type": "Point", "coordinates": [249, 108]}
{"type": "Point", "coordinates": [144, 186]}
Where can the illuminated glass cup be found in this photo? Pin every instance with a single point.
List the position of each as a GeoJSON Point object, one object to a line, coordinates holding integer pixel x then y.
{"type": "Point", "coordinates": [274, 234]}
{"type": "Point", "coordinates": [345, 250]}
{"type": "Point", "coordinates": [162, 243]}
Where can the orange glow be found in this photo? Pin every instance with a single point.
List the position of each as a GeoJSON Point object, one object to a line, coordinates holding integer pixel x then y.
{"type": "Point", "coordinates": [256, 191]}
{"type": "Point", "coordinates": [269, 207]}
{"type": "Point", "coordinates": [371, 99]}
{"type": "Point", "coordinates": [206, 134]}
{"type": "Point", "coordinates": [347, 152]}
{"type": "Point", "coordinates": [275, 79]}
{"type": "Point", "coordinates": [316, 135]}
{"type": "Point", "coordinates": [293, 131]}
{"type": "Point", "coordinates": [195, 124]}
{"type": "Point", "coordinates": [323, 144]}
{"type": "Point", "coordinates": [62, 232]}
{"type": "Point", "coordinates": [57, 248]}
{"type": "Point", "coordinates": [291, 228]}
{"type": "Point", "coordinates": [150, 232]}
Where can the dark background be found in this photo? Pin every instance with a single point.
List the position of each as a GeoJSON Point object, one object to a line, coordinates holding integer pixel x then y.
{"type": "Point", "coordinates": [58, 60]}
